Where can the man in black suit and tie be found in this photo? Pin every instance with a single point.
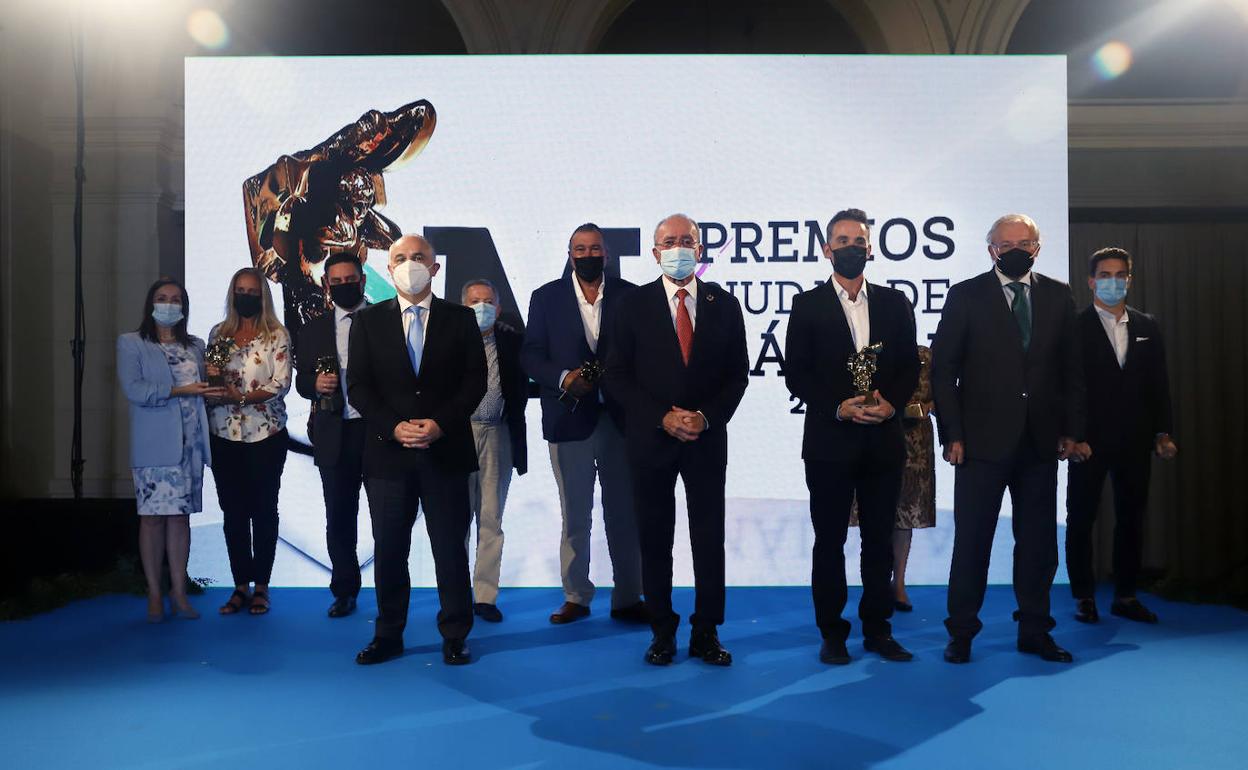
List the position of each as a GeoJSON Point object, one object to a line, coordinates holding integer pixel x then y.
{"type": "Point", "coordinates": [850, 447]}
{"type": "Point", "coordinates": [417, 374]}
{"type": "Point", "coordinates": [1007, 375]}
{"type": "Point", "coordinates": [679, 365]}
{"type": "Point", "coordinates": [1129, 419]}
{"type": "Point", "coordinates": [335, 426]}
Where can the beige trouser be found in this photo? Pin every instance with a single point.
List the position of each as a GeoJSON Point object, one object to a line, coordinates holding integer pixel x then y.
{"type": "Point", "coordinates": [575, 464]}
{"type": "Point", "coordinates": [487, 494]}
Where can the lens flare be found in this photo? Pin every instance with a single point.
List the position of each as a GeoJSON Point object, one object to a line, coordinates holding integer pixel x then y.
{"type": "Point", "coordinates": [1112, 60]}
{"type": "Point", "coordinates": [208, 29]}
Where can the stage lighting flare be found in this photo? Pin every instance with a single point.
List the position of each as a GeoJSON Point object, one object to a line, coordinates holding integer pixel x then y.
{"type": "Point", "coordinates": [208, 29]}
{"type": "Point", "coordinates": [1112, 59]}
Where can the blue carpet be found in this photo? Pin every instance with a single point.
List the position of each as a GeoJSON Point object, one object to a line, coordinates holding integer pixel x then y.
{"type": "Point", "coordinates": [93, 685]}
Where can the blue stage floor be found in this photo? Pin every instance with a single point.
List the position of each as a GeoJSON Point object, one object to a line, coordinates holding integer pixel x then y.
{"type": "Point", "coordinates": [93, 686]}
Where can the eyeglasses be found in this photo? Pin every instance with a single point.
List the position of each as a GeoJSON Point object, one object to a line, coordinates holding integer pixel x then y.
{"type": "Point", "coordinates": [1009, 245]}
{"type": "Point", "coordinates": [685, 243]}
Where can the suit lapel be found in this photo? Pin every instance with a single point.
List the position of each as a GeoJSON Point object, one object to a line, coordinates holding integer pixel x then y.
{"type": "Point", "coordinates": [1133, 326]}
{"type": "Point", "coordinates": [836, 315]}
{"type": "Point", "coordinates": [1097, 329]}
{"type": "Point", "coordinates": [875, 314]}
{"type": "Point", "coordinates": [663, 320]}
{"type": "Point", "coordinates": [391, 332]}
{"type": "Point", "coordinates": [708, 314]}
{"type": "Point", "coordinates": [999, 311]}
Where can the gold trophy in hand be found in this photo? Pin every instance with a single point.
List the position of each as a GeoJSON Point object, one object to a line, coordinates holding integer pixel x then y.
{"type": "Point", "coordinates": [328, 402]}
{"type": "Point", "coordinates": [218, 355]}
{"type": "Point", "coordinates": [862, 366]}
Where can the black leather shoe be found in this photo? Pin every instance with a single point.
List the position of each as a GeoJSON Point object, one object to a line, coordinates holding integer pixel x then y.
{"type": "Point", "coordinates": [887, 648]}
{"type": "Point", "coordinates": [662, 650]}
{"type": "Point", "coordinates": [379, 651]}
{"type": "Point", "coordinates": [1131, 609]}
{"type": "Point", "coordinates": [569, 612]}
{"type": "Point", "coordinates": [834, 653]}
{"type": "Point", "coordinates": [487, 612]}
{"type": "Point", "coordinates": [958, 651]}
{"type": "Point", "coordinates": [342, 607]}
{"type": "Point", "coordinates": [455, 652]}
{"type": "Point", "coordinates": [705, 645]}
{"type": "Point", "coordinates": [633, 613]}
{"type": "Point", "coordinates": [1044, 646]}
{"type": "Point", "coordinates": [901, 606]}
{"type": "Point", "coordinates": [1085, 611]}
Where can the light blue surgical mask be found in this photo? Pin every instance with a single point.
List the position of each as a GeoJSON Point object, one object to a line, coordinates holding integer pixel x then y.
{"type": "Point", "coordinates": [486, 315]}
{"type": "Point", "coordinates": [1111, 291]}
{"type": "Point", "coordinates": [167, 313]}
{"type": "Point", "coordinates": [678, 262]}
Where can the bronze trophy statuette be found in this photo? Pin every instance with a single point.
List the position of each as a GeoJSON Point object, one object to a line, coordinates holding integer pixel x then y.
{"type": "Point", "coordinates": [328, 402]}
{"type": "Point", "coordinates": [862, 367]}
{"type": "Point", "coordinates": [591, 372]}
{"type": "Point", "coordinates": [218, 354]}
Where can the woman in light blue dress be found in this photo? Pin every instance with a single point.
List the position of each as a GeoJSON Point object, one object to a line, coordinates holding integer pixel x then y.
{"type": "Point", "coordinates": [161, 369]}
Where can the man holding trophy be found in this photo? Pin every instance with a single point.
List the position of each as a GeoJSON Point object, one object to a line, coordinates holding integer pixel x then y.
{"type": "Point", "coordinates": [566, 339]}
{"type": "Point", "coordinates": [851, 357]}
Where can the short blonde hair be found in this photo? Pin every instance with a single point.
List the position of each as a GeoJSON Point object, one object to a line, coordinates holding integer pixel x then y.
{"type": "Point", "coordinates": [1011, 219]}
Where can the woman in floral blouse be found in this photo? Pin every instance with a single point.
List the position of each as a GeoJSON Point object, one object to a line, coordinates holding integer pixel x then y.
{"type": "Point", "coordinates": [248, 434]}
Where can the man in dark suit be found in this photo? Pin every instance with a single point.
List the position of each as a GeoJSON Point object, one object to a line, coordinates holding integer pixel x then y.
{"type": "Point", "coordinates": [1008, 381]}
{"type": "Point", "coordinates": [570, 325]}
{"type": "Point", "coordinates": [679, 365]}
{"type": "Point", "coordinates": [417, 374]}
{"type": "Point", "coordinates": [849, 447]}
{"type": "Point", "coordinates": [1129, 418]}
{"type": "Point", "coordinates": [335, 426]}
{"type": "Point", "coordinates": [498, 432]}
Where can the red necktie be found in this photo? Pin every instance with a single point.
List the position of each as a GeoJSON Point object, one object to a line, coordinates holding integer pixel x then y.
{"type": "Point", "coordinates": [684, 325]}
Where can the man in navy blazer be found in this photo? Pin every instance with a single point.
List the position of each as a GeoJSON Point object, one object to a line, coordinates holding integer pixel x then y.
{"type": "Point", "coordinates": [570, 326]}
{"type": "Point", "coordinates": [680, 367]}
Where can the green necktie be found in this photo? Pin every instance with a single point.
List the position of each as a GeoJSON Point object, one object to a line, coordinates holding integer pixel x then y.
{"type": "Point", "coordinates": [1022, 313]}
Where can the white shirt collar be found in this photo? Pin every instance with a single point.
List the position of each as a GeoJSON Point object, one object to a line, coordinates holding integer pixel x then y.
{"type": "Point", "coordinates": [404, 304]}
{"type": "Point", "coordinates": [843, 293]}
{"type": "Point", "coordinates": [580, 293]}
{"type": "Point", "coordinates": [1006, 280]}
{"type": "Point", "coordinates": [341, 313]}
{"type": "Point", "coordinates": [671, 289]}
{"type": "Point", "coordinates": [1107, 316]}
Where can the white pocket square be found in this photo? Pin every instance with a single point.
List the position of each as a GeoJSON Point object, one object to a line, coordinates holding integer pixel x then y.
{"type": "Point", "coordinates": [1141, 339]}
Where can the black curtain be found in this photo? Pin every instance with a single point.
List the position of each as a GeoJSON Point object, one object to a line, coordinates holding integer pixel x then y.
{"type": "Point", "coordinates": [1192, 275]}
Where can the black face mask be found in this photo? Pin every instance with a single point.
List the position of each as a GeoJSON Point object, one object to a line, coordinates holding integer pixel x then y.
{"type": "Point", "coordinates": [247, 305]}
{"type": "Point", "coordinates": [1016, 263]}
{"type": "Point", "coordinates": [346, 295]}
{"type": "Point", "coordinates": [849, 261]}
{"type": "Point", "coordinates": [588, 269]}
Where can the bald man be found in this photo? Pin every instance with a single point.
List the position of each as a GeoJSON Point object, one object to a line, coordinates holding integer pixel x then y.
{"type": "Point", "coordinates": [418, 372]}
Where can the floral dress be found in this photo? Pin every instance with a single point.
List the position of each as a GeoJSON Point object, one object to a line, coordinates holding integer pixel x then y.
{"type": "Point", "coordinates": [174, 490]}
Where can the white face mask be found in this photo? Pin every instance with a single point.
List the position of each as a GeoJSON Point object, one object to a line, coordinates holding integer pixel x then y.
{"type": "Point", "coordinates": [678, 262]}
{"type": "Point", "coordinates": [411, 277]}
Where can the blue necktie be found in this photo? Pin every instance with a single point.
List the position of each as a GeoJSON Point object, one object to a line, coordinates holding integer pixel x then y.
{"type": "Point", "coordinates": [415, 337]}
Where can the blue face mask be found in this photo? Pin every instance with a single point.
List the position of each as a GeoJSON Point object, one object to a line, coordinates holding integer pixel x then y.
{"type": "Point", "coordinates": [486, 315]}
{"type": "Point", "coordinates": [1111, 291]}
{"type": "Point", "coordinates": [166, 314]}
{"type": "Point", "coordinates": [678, 263]}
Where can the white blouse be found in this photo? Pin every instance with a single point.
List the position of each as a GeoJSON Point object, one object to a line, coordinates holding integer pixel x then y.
{"type": "Point", "coordinates": [262, 364]}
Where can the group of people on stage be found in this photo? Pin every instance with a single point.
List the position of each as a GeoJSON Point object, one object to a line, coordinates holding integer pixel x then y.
{"type": "Point", "coordinates": [421, 401]}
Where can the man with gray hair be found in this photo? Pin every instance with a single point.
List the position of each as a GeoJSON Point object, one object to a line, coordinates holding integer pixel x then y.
{"type": "Point", "coordinates": [1007, 374]}
{"type": "Point", "coordinates": [499, 433]}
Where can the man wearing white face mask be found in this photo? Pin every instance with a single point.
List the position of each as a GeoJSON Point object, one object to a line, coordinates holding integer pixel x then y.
{"type": "Point", "coordinates": [499, 433]}
{"type": "Point", "coordinates": [680, 367]}
{"type": "Point", "coordinates": [417, 374]}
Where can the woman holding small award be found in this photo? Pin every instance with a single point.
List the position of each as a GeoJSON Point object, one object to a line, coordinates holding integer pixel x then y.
{"type": "Point", "coordinates": [161, 369]}
{"type": "Point", "coordinates": [250, 352]}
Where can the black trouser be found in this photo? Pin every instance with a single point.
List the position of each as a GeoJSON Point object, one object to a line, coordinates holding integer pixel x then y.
{"type": "Point", "coordinates": [340, 483]}
{"type": "Point", "coordinates": [248, 477]}
{"type": "Point", "coordinates": [977, 493]}
{"type": "Point", "coordinates": [654, 494]}
{"type": "Point", "coordinates": [832, 485]}
{"type": "Point", "coordinates": [1129, 474]}
{"type": "Point", "coordinates": [393, 505]}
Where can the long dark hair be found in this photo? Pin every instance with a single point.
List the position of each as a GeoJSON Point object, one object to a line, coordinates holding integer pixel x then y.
{"type": "Point", "coordinates": [147, 327]}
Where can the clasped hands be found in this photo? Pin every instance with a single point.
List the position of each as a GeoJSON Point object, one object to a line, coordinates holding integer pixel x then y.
{"type": "Point", "coordinates": [683, 425]}
{"type": "Point", "coordinates": [417, 434]}
{"type": "Point", "coordinates": [855, 410]}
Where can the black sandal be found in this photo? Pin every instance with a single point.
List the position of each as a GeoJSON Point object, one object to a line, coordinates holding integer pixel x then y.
{"type": "Point", "coordinates": [232, 607]}
{"type": "Point", "coordinates": [263, 607]}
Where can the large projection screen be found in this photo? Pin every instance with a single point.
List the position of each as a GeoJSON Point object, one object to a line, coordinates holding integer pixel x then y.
{"type": "Point", "coordinates": [760, 150]}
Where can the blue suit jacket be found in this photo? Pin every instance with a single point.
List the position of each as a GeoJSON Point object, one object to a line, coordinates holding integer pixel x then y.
{"type": "Point", "coordinates": [554, 342]}
{"type": "Point", "coordinates": [155, 418]}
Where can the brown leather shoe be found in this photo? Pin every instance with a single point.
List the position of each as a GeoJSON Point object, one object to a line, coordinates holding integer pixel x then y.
{"type": "Point", "coordinates": [569, 612]}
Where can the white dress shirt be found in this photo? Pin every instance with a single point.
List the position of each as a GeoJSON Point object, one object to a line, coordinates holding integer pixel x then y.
{"type": "Point", "coordinates": [407, 317]}
{"type": "Point", "coordinates": [1117, 331]}
{"type": "Point", "coordinates": [591, 321]}
{"type": "Point", "coordinates": [856, 313]}
{"type": "Point", "coordinates": [1009, 293]}
{"type": "Point", "coordinates": [342, 336]}
{"type": "Point", "coordinates": [691, 301]}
